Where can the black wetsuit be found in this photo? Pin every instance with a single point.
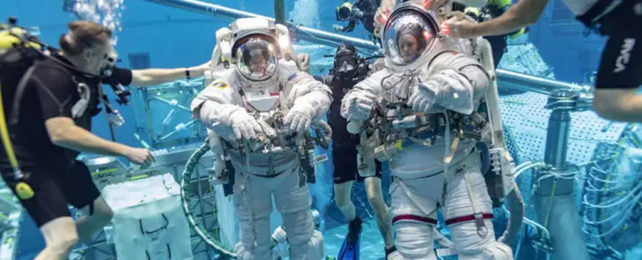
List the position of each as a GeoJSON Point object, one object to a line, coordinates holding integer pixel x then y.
{"type": "Point", "coordinates": [369, 8]}
{"type": "Point", "coordinates": [52, 171]}
{"type": "Point", "coordinates": [621, 63]}
{"type": "Point", "coordinates": [344, 144]}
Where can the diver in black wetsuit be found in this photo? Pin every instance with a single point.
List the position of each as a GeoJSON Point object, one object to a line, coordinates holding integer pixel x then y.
{"type": "Point", "coordinates": [348, 70]}
{"type": "Point", "coordinates": [362, 11]}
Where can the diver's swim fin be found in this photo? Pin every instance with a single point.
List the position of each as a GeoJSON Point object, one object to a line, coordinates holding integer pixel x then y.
{"type": "Point", "coordinates": [350, 248]}
{"type": "Point", "coordinates": [349, 252]}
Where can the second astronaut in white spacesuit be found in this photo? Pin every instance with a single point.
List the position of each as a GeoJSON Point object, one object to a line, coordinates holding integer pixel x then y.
{"type": "Point", "coordinates": [257, 109]}
{"type": "Point", "coordinates": [421, 114]}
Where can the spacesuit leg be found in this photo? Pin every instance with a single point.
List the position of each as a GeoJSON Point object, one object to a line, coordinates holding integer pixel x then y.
{"type": "Point", "coordinates": [413, 218]}
{"type": "Point", "coordinates": [253, 204]}
{"type": "Point", "coordinates": [293, 202]}
{"type": "Point", "coordinates": [468, 213]}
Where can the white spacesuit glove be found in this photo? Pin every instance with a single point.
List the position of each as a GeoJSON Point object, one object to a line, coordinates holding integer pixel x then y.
{"type": "Point", "coordinates": [423, 98]}
{"type": "Point", "coordinates": [358, 106]}
{"type": "Point", "coordinates": [244, 125]}
{"type": "Point", "coordinates": [299, 118]}
{"type": "Point", "coordinates": [447, 89]}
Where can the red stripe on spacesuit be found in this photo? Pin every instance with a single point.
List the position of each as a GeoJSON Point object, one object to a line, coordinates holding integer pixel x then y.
{"type": "Point", "coordinates": [414, 218]}
{"type": "Point", "coordinates": [467, 218]}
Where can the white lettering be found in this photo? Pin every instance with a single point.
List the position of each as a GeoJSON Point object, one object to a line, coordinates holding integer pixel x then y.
{"type": "Point", "coordinates": [625, 54]}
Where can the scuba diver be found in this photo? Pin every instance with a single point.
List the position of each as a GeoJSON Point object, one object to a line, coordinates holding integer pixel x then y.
{"type": "Point", "coordinates": [425, 115]}
{"type": "Point", "coordinates": [362, 11]}
{"type": "Point", "coordinates": [258, 112]}
{"type": "Point", "coordinates": [618, 77]}
{"type": "Point", "coordinates": [349, 163]}
{"type": "Point", "coordinates": [48, 99]}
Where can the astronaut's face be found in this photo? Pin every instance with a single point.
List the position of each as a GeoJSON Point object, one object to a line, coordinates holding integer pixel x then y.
{"type": "Point", "coordinates": [408, 46]}
{"type": "Point", "coordinates": [256, 59]}
{"type": "Point", "coordinates": [258, 63]}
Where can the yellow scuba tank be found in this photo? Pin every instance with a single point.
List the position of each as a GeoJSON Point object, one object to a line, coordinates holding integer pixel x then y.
{"type": "Point", "coordinates": [11, 36]}
{"type": "Point", "coordinates": [14, 38]}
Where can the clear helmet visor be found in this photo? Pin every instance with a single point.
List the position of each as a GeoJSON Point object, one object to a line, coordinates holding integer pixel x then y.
{"type": "Point", "coordinates": [256, 58]}
{"type": "Point", "coordinates": [407, 36]}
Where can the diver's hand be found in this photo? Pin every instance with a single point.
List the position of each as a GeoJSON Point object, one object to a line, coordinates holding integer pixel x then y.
{"type": "Point", "coordinates": [298, 119]}
{"type": "Point", "coordinates": [244, 125]}
{"type": "Point", "coordinates": [458, 27]}
{"type": "Point", "coordinates": [139, 156]}
{"type": "Point", "coordinates": [423, 98]}
{"type": "Point", "coordinates": [380, 19]}
{"type": "Point", "coordinates": [360, 105]}
{"type": "Point", "coordinates": [337, 27]}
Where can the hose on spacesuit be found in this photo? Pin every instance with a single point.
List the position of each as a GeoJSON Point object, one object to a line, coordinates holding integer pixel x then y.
{"type": "Point", "coordinates": [190, 166]}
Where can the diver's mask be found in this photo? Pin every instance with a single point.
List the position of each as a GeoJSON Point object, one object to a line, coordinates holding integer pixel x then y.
{"type": "Point", "coordinates": [345, 63]}
{"type": "Point", "coordinates": [256, 57]}
{"type": "Point", "coordinates": [344, 11]}
{"type": "Point", "coordinates": [408, 34]}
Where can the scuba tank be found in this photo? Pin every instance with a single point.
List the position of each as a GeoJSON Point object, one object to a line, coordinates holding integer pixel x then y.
{"type": "Point", "coordinates": [18, 52]}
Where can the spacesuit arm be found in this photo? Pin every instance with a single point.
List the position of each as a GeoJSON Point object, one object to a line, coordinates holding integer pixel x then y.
{"type": "Point", "coordinates": [214, 107]}
{"type": "Point", "coordinates": [457, 82]}
{"type": "Point", "coordinates": [309, 96]}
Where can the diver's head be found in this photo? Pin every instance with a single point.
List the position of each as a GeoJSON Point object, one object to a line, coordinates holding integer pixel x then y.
{"type": "Point", "coordinates": [87, 45]}
{"type": "Point", "coordinates": [346, 61]}
{"type": "Point", "coordinates": [344, 11]}
{"type": "Point", "coordinates": [256, 57]}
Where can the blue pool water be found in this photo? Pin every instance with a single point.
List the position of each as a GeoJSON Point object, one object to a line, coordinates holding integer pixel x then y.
{"type": "Point", "coordinates": [153, 35]}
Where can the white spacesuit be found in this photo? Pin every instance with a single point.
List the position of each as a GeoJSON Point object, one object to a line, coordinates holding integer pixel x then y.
{"type": "Point", "coordinates": [256, 112]}
{"type": "Point", "coordinates": [421, 112]}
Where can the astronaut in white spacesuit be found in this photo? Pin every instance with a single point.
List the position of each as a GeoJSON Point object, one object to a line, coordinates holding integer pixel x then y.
{"type": "Point", "coordinates": [421, 112]}
{"type": "Point", "coordinates": [256, 112]}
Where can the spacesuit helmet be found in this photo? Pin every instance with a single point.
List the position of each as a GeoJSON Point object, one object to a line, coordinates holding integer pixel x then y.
{"type": "Point", "coordinates": [408, 34]}
{"type": "Point", "coordinates": [256, 57]}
